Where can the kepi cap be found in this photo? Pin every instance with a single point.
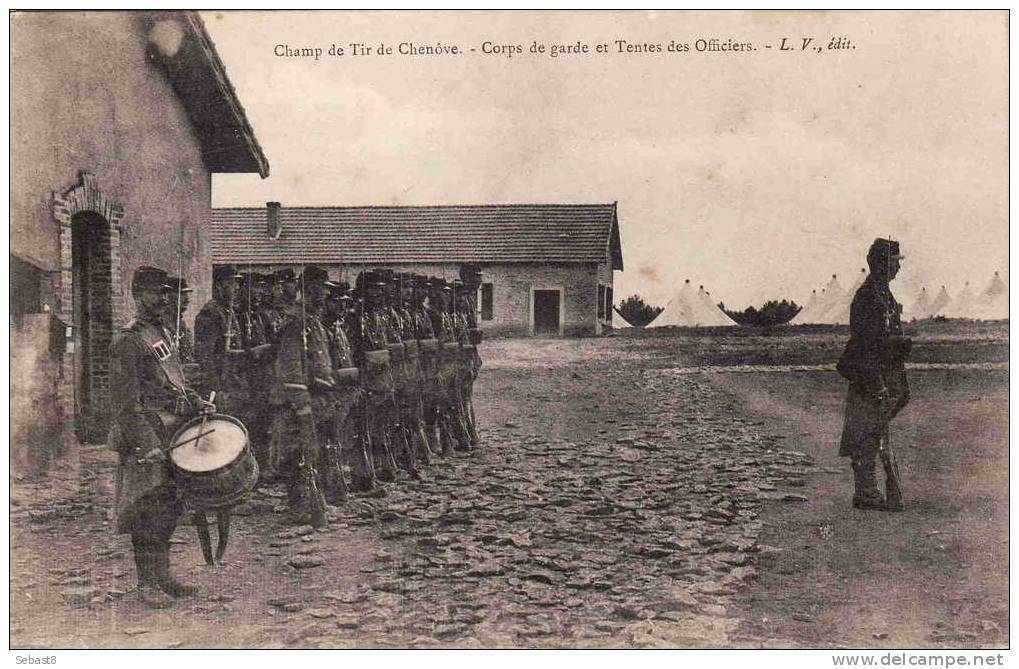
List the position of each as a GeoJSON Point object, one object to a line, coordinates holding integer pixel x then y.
{"type": "Point", "coordinates": [149, 278]}
{"type": "Point", "coordinates": [882, 250]}
{"type": "Point", "coordinates": [178, 284]}
{"type": "Point", "coordinates": [224, 273]}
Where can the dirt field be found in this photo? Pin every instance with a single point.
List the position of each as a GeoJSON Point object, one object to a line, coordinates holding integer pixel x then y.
{"type": "Point", "coordinates": [629, 493]}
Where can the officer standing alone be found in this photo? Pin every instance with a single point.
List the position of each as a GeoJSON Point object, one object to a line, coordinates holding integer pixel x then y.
{"type": "Point", "coordinates": [874, 364]}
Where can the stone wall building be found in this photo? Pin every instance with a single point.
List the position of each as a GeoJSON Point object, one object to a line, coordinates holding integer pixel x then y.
{"type": "Point", "coordinates": [118, 121]}
{"type": "Point", "coordinates": [547, 269]}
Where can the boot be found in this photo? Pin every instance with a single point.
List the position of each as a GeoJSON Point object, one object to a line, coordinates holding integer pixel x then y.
{"type": "Point", "coordinates": [360, 483]}
{"type": "Point", "coordinates": [420, 443]}
{"type": "Point", "coordinates": [463, 438]}
{"type": "Point", "coordinates": [432, 440]}
{"type": "Point", "coordinates": [866, 496]}
{"type": "Point", "coordinates": [168, 583]}
{"type": "Point", "coordinates": [472, 423]}
{"type": "Point", "coordinates": [149, 592]}
{"type": "Point", "coordinates": [446, 435]}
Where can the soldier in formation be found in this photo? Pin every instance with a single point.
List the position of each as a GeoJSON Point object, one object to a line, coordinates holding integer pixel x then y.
{"type": "Point", "coordinates": [374, 380]}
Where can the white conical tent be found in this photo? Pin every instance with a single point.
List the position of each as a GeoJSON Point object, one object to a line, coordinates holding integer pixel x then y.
{"type": "Point", "coordinates": [941, 304]}
{"type": "Point", "coordinates": [806, 310]}
{"type": "Point", "coordinates": [831, 297]}
{"type": "Point", "coordinates": [619, 322]}
{"type": "Point", "coordinates": [962, 305]}
{"type": "Point", "coordinates": [712, 314]}
{"type": "Point", "coordinates": [992, 303]}
{"type": "Point", "coordinates": [838, 311]}
{"type": "Point", "coordinates": [921, 307]}
{"type": "Point", "coordinates": [685, 309]}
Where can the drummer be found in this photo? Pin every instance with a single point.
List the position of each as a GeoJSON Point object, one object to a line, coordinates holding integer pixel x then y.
{"type": "Point", "coordinates": [150, 398]}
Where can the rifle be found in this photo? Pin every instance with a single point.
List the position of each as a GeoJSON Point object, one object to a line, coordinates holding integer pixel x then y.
{"type": "Point", "coordinates": [893, 491]}
{"type": "Point", "coordinates": [366, 404]}
{"type": "Point", "coordinates": [309, 439]}
{"type": "Point", "coordinates": [180, 285]}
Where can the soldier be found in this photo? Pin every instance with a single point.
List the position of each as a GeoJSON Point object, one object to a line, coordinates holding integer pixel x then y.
{"type": "Point", "coordinates": [275, 302]}
{"type": "Point", "coordinates": [372, 356]}
{"type": "Point", "coordinates": [399, 436]}
{"type": "Point", "coordinates": [218, 346]}
{"type": "Point", "coordinates": [452, 433]}
{"type": "Point", "coordinates": [428, 362]}
{"type": "Point", "coordinates": [301, 388]}
{"type": "Point", "coordinates": [348, 425]}
{"type": "Point", "coordinates": [409, 396]}
{"type": "Point", "coordinates": [257, 369]}
{"type": "Point", "coordinates": [282, 304]}
{"type": "Point", "coordinates": [874, 364]}
{"type": "Point", "coordinates": [470, 274]}
{"type": "Point", "coordinates": [464, 366]}
{"type": "Point", "coordinates": [150, 398]}
{"type": "Point", "coordinates": [180, 300]}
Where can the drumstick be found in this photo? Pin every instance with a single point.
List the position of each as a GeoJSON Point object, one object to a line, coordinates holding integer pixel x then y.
{"type": "Point", "coordinates": [205, 417]}
{"type": "Point", "coordinates": [190, 439]}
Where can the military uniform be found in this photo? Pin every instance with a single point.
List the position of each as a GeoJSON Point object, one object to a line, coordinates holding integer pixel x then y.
{"type": "Point", "coordinates": [183, 340]}
{"type": "Point", "coordinates": [347, 398]}
{"type": "Point", "coordinates": [399, 438]}
{"type": "Point", "coordinates": [874, 364]}
{"type": "Point", "coordinates": [257, 370]}
{"type": "Point", "coordinates": [464, 375]}
{"type": "Point", "coordinates": [452, 432]}
{"type": "Point", "coordinates": [428, 361]}
{"type": "Point", "coordinates": [302, 382]}
{"type": "Point", "coordinates": [373, 358]}
{"type": "Point", "coordinates": [471, 275]}
{"type": "Point", "coordinates": [149, 400]}
{"type": "Point", "coordinates": [219, 350]}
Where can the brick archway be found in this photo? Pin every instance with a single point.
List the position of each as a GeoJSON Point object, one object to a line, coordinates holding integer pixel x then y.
{"type": "Point", "coordinates": [87, 209]}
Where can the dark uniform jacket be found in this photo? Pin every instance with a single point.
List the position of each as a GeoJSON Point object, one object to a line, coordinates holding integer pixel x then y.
{"type": "Point", "coordinates": [216, 331]}
{"type": "Point", "coordinates": [423, 323]}
{"type": "Point", "coordinates": [300, 370]}
{"type": "Point", "coordinates": [149, 400]}
{"type": "Point", "coordinates": [873, 361]}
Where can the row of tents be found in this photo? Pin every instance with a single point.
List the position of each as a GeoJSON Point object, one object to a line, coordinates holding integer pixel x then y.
{"type": "Point", "coordinates": [831, 305]}
{"type": "Point", "coordinates": [690, 308]}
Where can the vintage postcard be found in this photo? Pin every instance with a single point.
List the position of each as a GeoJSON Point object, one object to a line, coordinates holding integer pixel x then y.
{"type": "Point", "coordinates": [510, 330]}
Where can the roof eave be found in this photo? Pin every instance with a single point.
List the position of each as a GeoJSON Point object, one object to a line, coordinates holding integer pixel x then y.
{"type": "Point", "coordinates": [615, 245]}
{"type": "Point", "coordinates": [199, 79]}
{"type": "Point", "coordinates": [259, 163]}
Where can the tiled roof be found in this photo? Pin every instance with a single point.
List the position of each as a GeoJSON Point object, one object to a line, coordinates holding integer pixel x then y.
{"type": "Point", "coordinates": [378, 235]}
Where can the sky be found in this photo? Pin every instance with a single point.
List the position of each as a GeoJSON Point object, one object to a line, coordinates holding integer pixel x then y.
{"type": "Point", "coordinates": [757, 174]}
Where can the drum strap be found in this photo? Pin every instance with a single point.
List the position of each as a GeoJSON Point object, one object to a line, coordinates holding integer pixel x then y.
{"type": "Point", "coordinates": [169, 364]}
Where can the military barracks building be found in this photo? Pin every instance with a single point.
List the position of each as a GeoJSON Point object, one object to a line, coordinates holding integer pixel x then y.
{"type": "Point", "coordinates": [547, 268]}
{"type": "Point", "coordinates": [118, 121]}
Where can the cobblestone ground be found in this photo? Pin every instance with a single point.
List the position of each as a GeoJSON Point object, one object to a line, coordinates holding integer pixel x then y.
{"type": "Point", "coordinates": [638, 540]}
{"type": "Point", "coordinates": [615, 502]}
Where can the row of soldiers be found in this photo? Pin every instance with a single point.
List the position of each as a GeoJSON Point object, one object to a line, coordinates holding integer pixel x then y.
{"type": "Point", "coordinates": [376, 377]}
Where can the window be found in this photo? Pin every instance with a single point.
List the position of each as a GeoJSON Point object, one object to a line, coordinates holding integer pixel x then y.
{"type": "Point", "coordinates": [608, 304]}
{"type": "Point", "coordinates": [26, 283]}
{"type": "Point", "coordinates": [601, 301]}
{"type": "Point", "coordinates": [486, 301]}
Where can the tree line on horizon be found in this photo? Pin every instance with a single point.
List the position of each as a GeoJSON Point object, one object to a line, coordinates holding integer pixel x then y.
{"type": "Point", "coordinates": [639, 313]}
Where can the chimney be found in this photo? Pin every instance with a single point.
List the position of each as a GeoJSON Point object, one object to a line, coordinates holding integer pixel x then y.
{"type": "Point", "coordinates": [274, 226]}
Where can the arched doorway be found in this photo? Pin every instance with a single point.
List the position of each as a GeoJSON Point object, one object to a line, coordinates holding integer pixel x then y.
{"type": "Point", "coordinates": [89, 304]}
{"type": "Point", "coordinates": [92, 324]}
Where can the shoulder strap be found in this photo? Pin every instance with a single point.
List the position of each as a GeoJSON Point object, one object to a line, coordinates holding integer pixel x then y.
{"type": "Point", "coordinates": [156, 341]}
